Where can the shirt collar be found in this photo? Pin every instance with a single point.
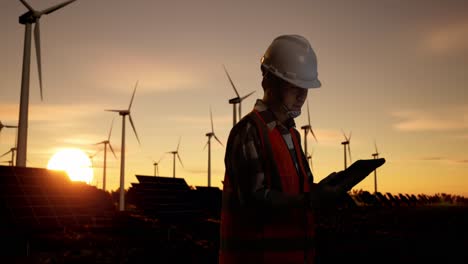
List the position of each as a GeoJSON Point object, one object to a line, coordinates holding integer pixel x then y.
{"type": "Point", "coordinates": [270, 118]}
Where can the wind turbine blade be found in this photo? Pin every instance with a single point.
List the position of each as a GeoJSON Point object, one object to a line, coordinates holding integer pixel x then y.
{"type": "Point", "coordinates": [37, 41]}
{"type": "Point", "coordinates": [27, 5]}
{"type": "Point", "coordinates": [211, 118]}
{"type": "Point", "coordinates": [344, 135]}
{"type": "Point", "coordinates": [110, 110]}
{"type": "Point", "coordinates": [110, 146]}
{"type": "Point", "coordinates": [11, 126]}
{"type": "Point", "coordinates": [230, 80]}
{"type": "Point", "coordinates": [6, 153]}
{"type": "Point", "coordinates": [206, 144]}
{"type": "Point", "coordinates": [349, 153]}
{"type": "Point", "coordinates": [178, 144]}
{"type": "Point", "coordinates": [53, 8]}
{"type": "Point", "coordinates": [180, 159]}
{"type": "Point", "coordinates": [217, 139]}
{"type": "Point", "coordinates": [375, 144]}
{"type": "Point", "coordinates": [308, 115]}
{"type": "Point", "coordinates": [245, 96]}
{"type": "Point", "coordinates": [110, 131]}
{"type": "Point", "coordinates": [133, 126]}
{"type": "Point", "coordinates": [133, 95]}
{"type": "Point", "coordinates": [162, 156]}
{"type": "Point", "coordinates": [349, 138]}
{"type": "Point", "coordinates": [240, 110]}
{"type": "Point", "coordinates": [313, 134]}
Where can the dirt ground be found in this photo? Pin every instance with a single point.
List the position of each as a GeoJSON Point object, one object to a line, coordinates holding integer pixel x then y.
{"type": "Point", "coordinates": [423, 234]}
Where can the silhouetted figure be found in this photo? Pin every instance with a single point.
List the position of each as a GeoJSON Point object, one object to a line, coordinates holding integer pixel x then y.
{"type": "Point", "coordinates": [269, 197]}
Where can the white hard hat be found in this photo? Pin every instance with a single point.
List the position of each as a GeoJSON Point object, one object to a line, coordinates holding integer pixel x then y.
{"type": "Point", "coordinates": [291, 58]}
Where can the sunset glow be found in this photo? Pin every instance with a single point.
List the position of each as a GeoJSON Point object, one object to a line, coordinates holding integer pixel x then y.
{"type": "Point", "coordinates": [75, 162]}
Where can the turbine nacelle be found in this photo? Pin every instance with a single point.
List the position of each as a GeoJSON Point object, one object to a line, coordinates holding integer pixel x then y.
{"type": "Point", "coordinates": [30, 17]}
{"type": "Point", "coordinates": [235, 100]}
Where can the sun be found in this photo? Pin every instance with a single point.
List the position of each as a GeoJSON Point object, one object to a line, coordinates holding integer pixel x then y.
{"type": "Point", "coordinates": [74, 162]}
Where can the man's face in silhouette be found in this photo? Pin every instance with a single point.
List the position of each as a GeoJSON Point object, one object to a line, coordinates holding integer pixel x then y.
{"type": "Point", "coordinates": [293, 97]}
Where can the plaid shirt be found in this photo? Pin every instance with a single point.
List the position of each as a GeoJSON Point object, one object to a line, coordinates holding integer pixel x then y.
{"type": "Point", "coordinates": [244, 161]}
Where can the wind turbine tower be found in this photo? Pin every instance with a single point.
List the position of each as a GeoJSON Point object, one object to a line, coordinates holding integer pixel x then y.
{"type": "Point", "coordinates": [346, 144]}
{"type": "Point", "coordinates": [124, 113]}
{"type": "Point", "coordinates": [106, 143]}
{"type": "Point", "coordinates": [376, 156]}
{"type": "Point", "coordinates": [175, 153]}
{"type": "Point", "coordinates": [307, 128]}
{"type": "Point", "coordinates": [27, 19]}
{"type": "Point", "coordinates": [155, 164]}
{"type": "Point", "coordinates": [236, 100]}
{"type": "Point", "coordinates": [210, 135]}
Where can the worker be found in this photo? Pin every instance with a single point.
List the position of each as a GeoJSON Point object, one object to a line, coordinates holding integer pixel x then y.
{"type": "Point", "coordinates": [269, 197]}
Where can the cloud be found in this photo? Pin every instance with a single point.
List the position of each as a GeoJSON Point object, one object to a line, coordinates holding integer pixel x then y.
{"type": "Point", "coordinates": [448, 39]}
{"type": "Point", "coordinates": [49, 112]}
{"type": "Point", "coordinates": [122, 72]}
{"type": "Point", "coordinates": [444, 159]}
{"type": "Point", "coordinates": [203, 121]}
{"type": "Point", "coordinates": [432, 158]}
{"type": "Point", "coordinates": [442, 119]}
{"type": "Point", "coordinates": [326, 137]}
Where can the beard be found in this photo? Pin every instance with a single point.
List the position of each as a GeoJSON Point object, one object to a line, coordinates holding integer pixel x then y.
{"type": "Point", "coordinates": [294, 114]}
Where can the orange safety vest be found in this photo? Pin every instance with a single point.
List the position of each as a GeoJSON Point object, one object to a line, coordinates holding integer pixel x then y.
{"type": "Point", "coordinates": [269, 235]}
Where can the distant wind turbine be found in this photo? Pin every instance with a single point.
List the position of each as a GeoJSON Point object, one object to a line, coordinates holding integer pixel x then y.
{"type": "Point", "coordinates": [106, 143]}
{"type": "Point", "coordinates": [155, 164]}
{"type": "Point", "coordinates": [210, 135]}
{"type": "Point", "coordinates": [27, 19]}
{"type": "Point", "coordinates": [6, 126]}
{"type": "Point", "coordinates": [376, 156]}
{"type": "Point", "coordinates": [306, 129]}
{"type": "Point", "coordinates": [12, 151]}
{"type": "Point", "coordinates": [124, 113]}
{"type": "Point", "coordinates": [175, 153]}
{"type": "Point", "coordinates": [236, 100]}
{"type": "Point", "coordinates": [345, 144]}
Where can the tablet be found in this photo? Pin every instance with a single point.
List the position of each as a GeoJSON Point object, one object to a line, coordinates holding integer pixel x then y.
{"type": "Point", "coordinates": [354, 174]}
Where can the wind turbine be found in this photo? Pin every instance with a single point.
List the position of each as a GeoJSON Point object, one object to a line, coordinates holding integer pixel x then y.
{"type": "Point", "coordinates": [27, 19]}
{"type": "Point", "coordinates": [376, 156]}
{"type": "Point", "coordinates": [106, 143]}
{"type": "Point", "coordinates": [124, 113]}
{"type": "Point", "coordinates": [12, 151]}
{"type": "Point", "coordinates": [175, 153]}
{"type": "Point", "coordinates": [307, 128]}
{"type": "Point", "coordinates": [155, 164]}
{"type": "Point", "coordinates": [236, 100]}
{"type": "Point", "coordinates": [345, 144]}
{"type": "Point", "coordinates": [91, 158]}
{"type": "Point", "coordinates": [210, 135]}
{"type": "Point", "coordinates": [6, 126]}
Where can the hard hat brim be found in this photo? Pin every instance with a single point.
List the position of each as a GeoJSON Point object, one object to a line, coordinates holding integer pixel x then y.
{"type": "Point", "coordinates": [300, 83]}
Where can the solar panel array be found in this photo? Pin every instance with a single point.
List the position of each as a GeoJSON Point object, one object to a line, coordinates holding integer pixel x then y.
{"type": "Point", "coordinates": [166, 198]}
{"type": "Point", "coordinates": [41, 199]}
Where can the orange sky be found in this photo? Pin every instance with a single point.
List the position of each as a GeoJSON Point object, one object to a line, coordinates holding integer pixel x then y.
{"type": "Point", "coordinates": [393, 72]}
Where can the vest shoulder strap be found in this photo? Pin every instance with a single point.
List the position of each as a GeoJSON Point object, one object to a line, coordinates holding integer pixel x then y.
{"type": "Point", "coordinates": [271, 169]}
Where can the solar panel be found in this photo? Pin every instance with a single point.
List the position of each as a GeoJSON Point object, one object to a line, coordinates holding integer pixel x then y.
{"type": "Point", "coordinates": [165, 198]}
{"type": "Point", "coordinates": [40, 199]}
